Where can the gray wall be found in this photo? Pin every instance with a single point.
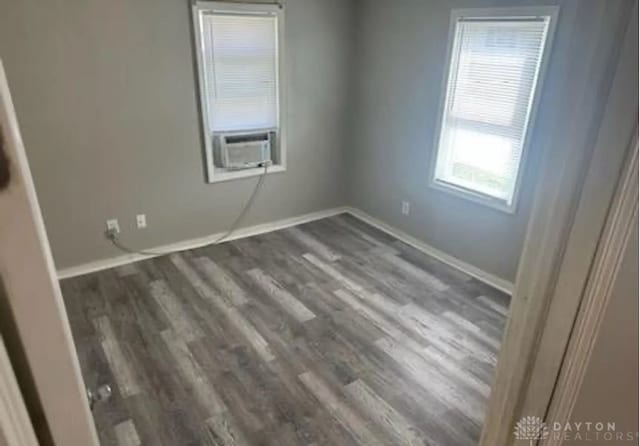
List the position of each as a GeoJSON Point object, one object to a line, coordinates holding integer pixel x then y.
{"type": "Point", "coordinates": [105, 93]}
{"type": "Point", "coordinates": [609, 391]}
{"type": "Point", "coordinates": [105, 96]}
{"type": "Point", "coordinates": [400, 49]}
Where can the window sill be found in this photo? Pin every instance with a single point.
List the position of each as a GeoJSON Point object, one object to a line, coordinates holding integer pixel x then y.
{"type": "Point", "coordinates": [219, 175]}
{"type": "Point", "coordinates": [475, 197]}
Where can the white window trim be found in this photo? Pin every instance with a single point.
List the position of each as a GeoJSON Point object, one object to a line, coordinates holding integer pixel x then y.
{"type": "Point", "coordinates": [216, 175]}
{"type": "Point", "coordinates": [508, 12]}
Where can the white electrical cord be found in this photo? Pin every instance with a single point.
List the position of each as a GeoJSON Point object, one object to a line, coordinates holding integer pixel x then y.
{"type": "Point", "coordinates": [113, 237]}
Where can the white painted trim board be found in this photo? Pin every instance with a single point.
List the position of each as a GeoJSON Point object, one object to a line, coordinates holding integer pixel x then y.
{"type": "Point", "coordinates": [483, 276]}
{"type": "Point", "coordinates": [184, 245]}
{"type": "Point", "coordinates": [467, 268]}
{"type": "Point", "coordinates": [621, 222]}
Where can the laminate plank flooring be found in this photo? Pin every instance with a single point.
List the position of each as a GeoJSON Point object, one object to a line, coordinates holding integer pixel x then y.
{"type": "Point", "coordinates": [329, 333]}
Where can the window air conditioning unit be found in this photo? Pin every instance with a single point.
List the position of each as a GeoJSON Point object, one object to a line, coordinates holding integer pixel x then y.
{"type": "Point", "coordinates": [242, 150]}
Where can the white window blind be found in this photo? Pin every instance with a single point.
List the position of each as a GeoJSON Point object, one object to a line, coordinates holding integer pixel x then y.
{"type": "Point", "coordinates": [494, 68]}
{"type": "Point", "coordinates": [240, 55]}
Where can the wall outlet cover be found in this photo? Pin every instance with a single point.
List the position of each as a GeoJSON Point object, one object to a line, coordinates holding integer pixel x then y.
{"type": "Point", "coordinates": [141, 221]}
{"type": "Point", "coordinates": [405, 207]}
{"type": "Point", "coordinates": [112, 225]}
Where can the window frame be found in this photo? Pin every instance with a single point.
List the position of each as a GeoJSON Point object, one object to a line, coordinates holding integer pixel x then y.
{"type": "Point", "coordinates": [518, 12]}
{"type": "Point", "coordinates": [214, 174]}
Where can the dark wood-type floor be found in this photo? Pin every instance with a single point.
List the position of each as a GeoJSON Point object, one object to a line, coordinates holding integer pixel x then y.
{"type": "Point", "coordinates": [329, 333]}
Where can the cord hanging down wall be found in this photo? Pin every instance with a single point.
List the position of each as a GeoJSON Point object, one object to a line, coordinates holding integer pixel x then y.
{"type": "Point", "coordinates": [112, 234]}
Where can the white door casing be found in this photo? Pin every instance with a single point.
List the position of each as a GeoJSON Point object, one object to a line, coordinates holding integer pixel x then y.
{"type": "Point", "coordinates": [575, 192]}
{"type": "Point", "coordinates": [34, 296]}
{"type": "Point", "coordinates": [15, 425]}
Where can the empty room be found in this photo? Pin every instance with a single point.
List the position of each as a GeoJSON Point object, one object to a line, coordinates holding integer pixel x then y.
{"type": "Point", "coordinates": [318, 222]}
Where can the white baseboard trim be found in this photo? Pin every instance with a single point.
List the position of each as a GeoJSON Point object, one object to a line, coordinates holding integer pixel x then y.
{"type": "Point", "coordinates": [98, 265]}
{"type": "Point", "coordinates": [113, 262]}
{"type": "Point", "coordinates": [483, 276]}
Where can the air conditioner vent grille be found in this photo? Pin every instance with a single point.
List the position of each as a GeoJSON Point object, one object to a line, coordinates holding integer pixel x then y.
{"type": "Point", "coordinates": [242, 151]}
{"type": "Point", "coordinates": [233, 139]}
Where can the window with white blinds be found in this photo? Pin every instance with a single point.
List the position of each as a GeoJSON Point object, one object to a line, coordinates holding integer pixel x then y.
{"type": "Point", "coordinates": [240, 64]}
{"type": "Point", "coordinates": [493, 76]}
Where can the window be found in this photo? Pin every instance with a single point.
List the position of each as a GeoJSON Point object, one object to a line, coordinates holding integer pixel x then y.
{"type": "Point", "coordinates": [238, 46]}
{"type": "Point", "coordinates": [496, 58]}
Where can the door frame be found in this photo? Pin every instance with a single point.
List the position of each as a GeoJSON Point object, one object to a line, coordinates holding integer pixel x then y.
{"type": "Point", "coordinates": [621, 223]}
{"type": "Point", "coordinates": [572, 203]}
{"type": "Point", "coordinates": [35, 302]}
{"type": "Point", "coordinates": [15, 426]}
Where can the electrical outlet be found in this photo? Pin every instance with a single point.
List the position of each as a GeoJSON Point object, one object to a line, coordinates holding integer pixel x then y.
{"type": "Point", "coordinates": [405, 207]}
{"type": "Point", "coordinates": [113, 226]}
{"type": "Point", "coordinates": [141, 221]}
